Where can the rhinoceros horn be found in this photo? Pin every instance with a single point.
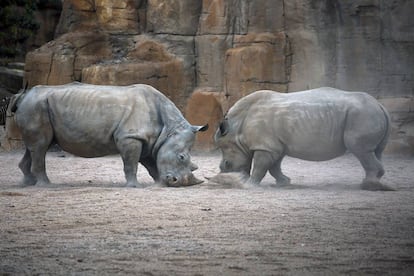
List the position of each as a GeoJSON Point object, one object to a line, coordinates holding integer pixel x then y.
{"type": "Point", "coordinates": [193, 180]}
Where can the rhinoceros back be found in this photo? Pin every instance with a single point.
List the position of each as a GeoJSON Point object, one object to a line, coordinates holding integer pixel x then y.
{"type": "Point", "coordinates": [87, 119]}
{"type": "Point", "coordinates": [311, 125]}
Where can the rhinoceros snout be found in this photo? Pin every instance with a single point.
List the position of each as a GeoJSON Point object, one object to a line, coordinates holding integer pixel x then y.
{"type": "Point", "coordinates": [171, 180]}
{"type": "Point", "coordinates": [225, 166]}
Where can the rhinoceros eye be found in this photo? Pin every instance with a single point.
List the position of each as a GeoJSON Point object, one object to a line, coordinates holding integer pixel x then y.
{"type": "Point", "coordinates": [182, 157]}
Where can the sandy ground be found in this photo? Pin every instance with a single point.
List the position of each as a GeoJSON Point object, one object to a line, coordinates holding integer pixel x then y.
{"type": "Point", "coordinates": [88, 223]}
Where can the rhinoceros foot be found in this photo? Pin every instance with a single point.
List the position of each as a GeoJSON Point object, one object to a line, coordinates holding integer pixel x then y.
{"type": "Point", "coordinates": [33, 181]}
{"type": "Point", "coordinates": [29, 181]}
{"type": "Point", "coordinates": [42, 184]}
{"type": "Point", "coordinates": [283, 181]}
{"type": "Point", "coordinates": [133, 183]}
{"type": "Point", "coordinates": [375, 186]}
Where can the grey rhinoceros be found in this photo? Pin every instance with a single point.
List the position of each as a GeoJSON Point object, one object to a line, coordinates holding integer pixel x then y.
{"type": "Point", "coordinates": [137, 121]}
{"type": "Point", "coordinates": [315, 125]}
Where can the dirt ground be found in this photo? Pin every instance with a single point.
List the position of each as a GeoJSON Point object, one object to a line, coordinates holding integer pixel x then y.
{"type": "Point", "coordinates": [88, 223]}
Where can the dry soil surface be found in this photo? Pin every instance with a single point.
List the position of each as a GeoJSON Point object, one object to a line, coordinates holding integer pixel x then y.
{"type": "Point", "coordinates": [88, 223]}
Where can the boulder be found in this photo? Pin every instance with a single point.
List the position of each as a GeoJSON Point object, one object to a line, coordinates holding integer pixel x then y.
{"type": "Point", "coordinates": [11, 137]}
{"type": "Point", "coordinates": [178, 17]}
{"type": "Point", "coordinates": [118, 17]}
{"type": "Point", "coordinates": [11, 79]}
{"type": "Point", "coordinates": [62, 60]}
{"type": "Point", "coordinates": [215, 17]}
{"type": "Point", "coordinates": [77, 15]}
{"type": "Point", "coordinates": [148, 62]}
{"type": "Point", "coordinates": [113, 17]}
{"type": "Point", "coordinates": [241, 17]}
{"type": "Point", "coordinates": [211, 51]}
{"type": "Point", "coordinates": [166, 76]}
{"type": "Point", "coordinates": [257, 61]}
{"type": "Point", "coordinates": [203, 107]}
{"type": "Point", "coordinates": [402, 116]}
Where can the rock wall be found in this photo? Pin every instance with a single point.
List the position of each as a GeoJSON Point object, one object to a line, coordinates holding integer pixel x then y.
{"type": "Point", "coordinates": [212, 52]}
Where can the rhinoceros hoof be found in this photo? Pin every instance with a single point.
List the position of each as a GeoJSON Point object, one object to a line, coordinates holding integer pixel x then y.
{"type": "Point", "coordinates": [375, 186]}
{"type": "Point", "coordinates": [28, 181]}
{"type": "Point", "coordinates": [250, 184]}
{"type": "Point", "coordinates": [283, 182]}
{"type": "Point", "coordinates": [42, 183]}
{"type": "Point", "coordinates": [132, 185]}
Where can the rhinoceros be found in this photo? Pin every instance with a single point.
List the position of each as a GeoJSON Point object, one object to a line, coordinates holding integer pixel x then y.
{"type": "Point", "coordinates": [262, 128]}
{"type": "Point", "coordinates": [137, 121]}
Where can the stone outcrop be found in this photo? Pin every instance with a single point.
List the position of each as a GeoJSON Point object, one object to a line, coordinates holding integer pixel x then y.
{"type": "Point", "coordinates": [256, 61]}
{"type": "Point", "coordinates": [402, 115]}
{"type": "Point", "coordinates": [11, 78]}
{"type": "Point", "coordinates": [63, 59]}
{"type": "Point", "coordinates": [205, 107]}
{"type": "Point", "coordinates": [229, 48]}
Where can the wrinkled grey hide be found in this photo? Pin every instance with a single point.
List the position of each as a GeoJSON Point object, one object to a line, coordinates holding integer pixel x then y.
{"type": "Point", "coordinates": [137, 122]}
{"type": "Point", "coordinates": [316, 125]}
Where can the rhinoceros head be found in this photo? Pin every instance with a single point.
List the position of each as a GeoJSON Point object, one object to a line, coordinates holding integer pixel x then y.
{"type": "Point", "coordinates": [173, 158]}
{"type": "Point", "coordinates": [235, 157]}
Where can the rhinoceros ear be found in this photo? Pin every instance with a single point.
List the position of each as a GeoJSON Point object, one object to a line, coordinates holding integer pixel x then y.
{"type": "Point", "coordinates": [224, 127]}
{"type": "Point", "coordinates": [199, 128]}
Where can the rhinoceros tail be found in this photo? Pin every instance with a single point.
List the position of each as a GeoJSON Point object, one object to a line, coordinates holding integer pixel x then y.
{"type": "Point", "coordinates": [381, 146]}
{"type": "Point", "coordinates": [16, 99]}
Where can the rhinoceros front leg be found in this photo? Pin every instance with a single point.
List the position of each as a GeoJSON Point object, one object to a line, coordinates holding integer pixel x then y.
{"type": "Point", "coordinates": [130, 151]}
{"type": "Point", "coordinates": [262, 161]}
{"type": "Point", "coordinates": [276, 172]}
{"type": "Point", "coordinates": [151, 166]}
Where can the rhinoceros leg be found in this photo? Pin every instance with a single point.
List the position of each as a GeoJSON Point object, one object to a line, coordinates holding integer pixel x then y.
{"type": "Point", "coordinates": [25, 166]}
{"type": "Point", "coordinates": [130, 151]}
{"type": "Point", "coordinates": [276, 172]}
{"type": "Point", "coordinates": [39, 165]}
{"type": "Point", "coordinates": [37, 143]}
{"type": "Point", "coordinates": [373, 172]}
{"type": "Point", "coordinates": [262, 162]}
{"type": "Point", "coordinates": [151, 166]}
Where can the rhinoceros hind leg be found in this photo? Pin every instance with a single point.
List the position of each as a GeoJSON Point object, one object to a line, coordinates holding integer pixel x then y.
{"type": "Point", "coordinates": [130, 151]}
{"type": "Point", "coordinates": [276, 172]}
{"type": "Point", "coordinates": [373, 172]}
{"type": "Point", "coordinates": [25, 166]}
{"type": "Point", "coordinates": [39, 166]}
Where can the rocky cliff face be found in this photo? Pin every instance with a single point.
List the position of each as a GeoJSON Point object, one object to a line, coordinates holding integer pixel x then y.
{"type": "Point", "coordinates": [210, 53]}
